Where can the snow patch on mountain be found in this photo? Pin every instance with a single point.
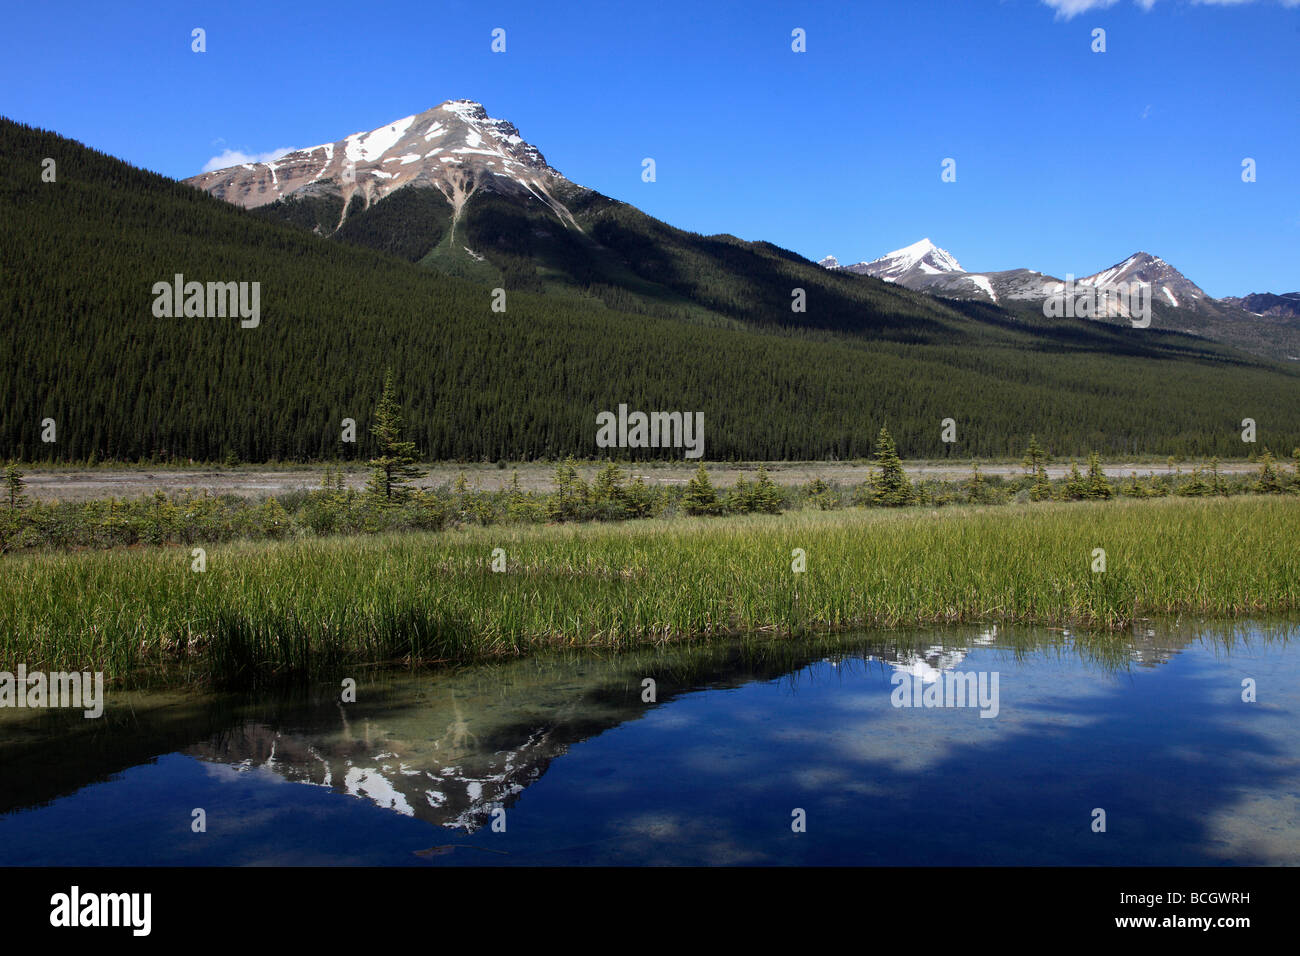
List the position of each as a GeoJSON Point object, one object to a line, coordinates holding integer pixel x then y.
{"type": "Point", "coordinates": [474, 150]}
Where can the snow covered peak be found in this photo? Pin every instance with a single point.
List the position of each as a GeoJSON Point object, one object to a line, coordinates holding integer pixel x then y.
{"type": "Point", "coordinates": [455, 147]}
{"type": "Point", "coordinates": [829, 262]}
{"type": "Point", "coordinates": [466, 109]}
{"type": "Point", "coordinates": [926, 251]}
{"type": "Point", "coordinates": [920, 258]}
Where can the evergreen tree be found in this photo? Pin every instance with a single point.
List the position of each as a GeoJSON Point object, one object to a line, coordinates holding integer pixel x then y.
{"type": "Point", "coordinates": [890, 486]}
{"type": "Point", "coordinates": [1041, 489]}
{"type": "Point", "coordinates": [395, 466]}
{"type": "Point", "coordinates": [767, 496]}
{"type": "Point", "coordinates": [607, 490]}
{"type": "Point", "coordinates": [570, 500]}
{"type": "Point", "coordinates": [700, 498]}
{"type": "Point", "coordinates": [740, 499]}
{"type": "Point", "coordinates": [14, 485]}
{"type": "Point", "coordinates": [1076, 488]}
{"type": "Point", "coordinates": [608, 484]}
{"type": "Point", "coordinates": [819, 493]}
{"type": "Point", "coordinates": [1217, 485]}
{"type": "Point", "coordinates": [1197, 487]}
{"type": "Point", "coordinates": [640, 501]}
{"type": "Point", "coordinates": [976, 486]}
{"type": "Point", "coordinates": [1035, 455]}
{"type": "Point", "coordinates": [1268, 482]}
{"type": "Point", "coordinates": [1098, 486]}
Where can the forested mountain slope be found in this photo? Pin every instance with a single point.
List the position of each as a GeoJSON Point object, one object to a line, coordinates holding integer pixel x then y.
{"type": "Point", "coordinates": [81, 345]}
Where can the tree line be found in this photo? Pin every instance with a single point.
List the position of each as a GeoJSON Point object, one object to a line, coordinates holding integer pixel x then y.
{"type": "Point", "coordinates": [84, 363]}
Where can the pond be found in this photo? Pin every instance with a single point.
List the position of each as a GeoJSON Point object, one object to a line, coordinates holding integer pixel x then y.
{"type": "Point", "coordinates": [1169, 745]}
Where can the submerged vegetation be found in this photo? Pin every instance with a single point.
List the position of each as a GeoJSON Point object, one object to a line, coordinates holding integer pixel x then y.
{"type": "Point", "coordinates": [301, 606]}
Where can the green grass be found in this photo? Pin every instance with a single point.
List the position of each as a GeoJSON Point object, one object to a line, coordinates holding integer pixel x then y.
{"type": "Point", "coordinates": [299, 606]}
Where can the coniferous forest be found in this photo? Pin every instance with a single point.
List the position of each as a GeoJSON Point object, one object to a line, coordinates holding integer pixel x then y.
{"type": "Point", "coordinates": [666, 320]}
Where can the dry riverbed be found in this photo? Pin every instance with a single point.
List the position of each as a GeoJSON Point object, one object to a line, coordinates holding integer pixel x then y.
{"type": "Point", "coordinates": [257, 482]}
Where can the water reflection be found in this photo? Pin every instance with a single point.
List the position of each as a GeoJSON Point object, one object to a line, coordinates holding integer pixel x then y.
{"type": "Point", "coordinates": [446, 748]}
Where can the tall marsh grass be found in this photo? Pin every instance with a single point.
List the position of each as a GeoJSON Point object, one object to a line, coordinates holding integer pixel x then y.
{"type": "Point", "coordinates": [304, 605]}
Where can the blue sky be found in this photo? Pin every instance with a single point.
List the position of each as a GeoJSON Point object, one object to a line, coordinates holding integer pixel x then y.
{"type": "Point", "coordinates": [1067, 160]}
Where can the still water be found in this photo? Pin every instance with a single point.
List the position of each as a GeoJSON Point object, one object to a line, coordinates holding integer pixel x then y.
{"type": "Point", "coordinates": [561, 759]}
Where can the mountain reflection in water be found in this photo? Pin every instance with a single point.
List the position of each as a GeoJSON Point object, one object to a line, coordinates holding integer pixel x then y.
{"type": "Point", "coordinates": [446, 748]}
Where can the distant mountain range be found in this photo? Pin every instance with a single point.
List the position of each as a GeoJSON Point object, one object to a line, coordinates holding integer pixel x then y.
{"type": "Point", "coordinates": [504, 213]}
{"type": "Point", "coordinates": [1179, 303]}
{"type": "Point", "coordinates": [387, 249]}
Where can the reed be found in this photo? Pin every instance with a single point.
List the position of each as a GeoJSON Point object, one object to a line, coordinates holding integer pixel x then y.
{"type": "Point", "coordinates": [265, 608]}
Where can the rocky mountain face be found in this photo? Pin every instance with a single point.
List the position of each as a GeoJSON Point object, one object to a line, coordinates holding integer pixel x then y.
{"type": "Point", "coordinates": [484, 204]}
{"type": "Point", "coordinates": [457, 191]}
{"type": "Point", "coordinates": [1177, 304]}
{"type": "Point", "coordinates": [924, 267]}
{"type": "Point", "coordinates": [455, 148]}
{"type": "Point", "coordinates": [1267, 303]}
{"type": "Point", "coordinates": [1167, 283]}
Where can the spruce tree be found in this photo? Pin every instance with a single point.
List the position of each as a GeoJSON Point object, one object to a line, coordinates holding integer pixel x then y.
{"type": "Point", "coordinates": [1217, 485]}
{"type": "Point", "coordinates": [1098, 486]}
{"type": "Point", "coordinates": [606, 487]}
{"type": "Point", "coordinates": [640, 502]}
{"type": "Point", "coordinates": [819, 493]}
{"type": "Point", "coordinates": [1197, 487]}
{"type": "Point", "coordinates": [890, 486]}
{"type": "Point", "coordinates": [395, 466]}
{"type": "Point", "coordinates": [700, 498]}
{"type": "Point", "coordinates": [570, 498]}
{"type": "Point", "coordinates": [1268, 482]}
{"type": "Point", "coordinates": [1041, 489]}
{"type": "Point", "coordinates": [1035, 455]}
{"type": "Point", "coordinates": [767, 496]}
{"type": "Point", "coordinates": [740, 499]}
{"type": "Point", "coordinates": [14, 485]}
{"type": "Point", "coordinates": [1076, 488]}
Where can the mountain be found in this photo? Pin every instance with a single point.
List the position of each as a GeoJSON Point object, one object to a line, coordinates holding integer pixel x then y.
{"type": "Point", "coordinates": [925, 267]}
{"type": "Point", "coordinates": [917, 261]}
{"type": "Point", "coordinates": [679, 321]}
{"type": "Point", "coordinates": [1267, 303]}
{"type": "Point", "coordinates": [1168, 285]}
{"type": "Point", "coordinates": [1178, 304]}
{"type": "Point", "coordinates": [455, 148]}
{"type": "Point", "coordinates": [454, 190]}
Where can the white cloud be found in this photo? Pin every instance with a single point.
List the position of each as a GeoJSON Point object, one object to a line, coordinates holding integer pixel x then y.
{"type": "Point", "coordinates": [1068, 9]}
{"type": "Point", "coordinates": [234, 157]}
